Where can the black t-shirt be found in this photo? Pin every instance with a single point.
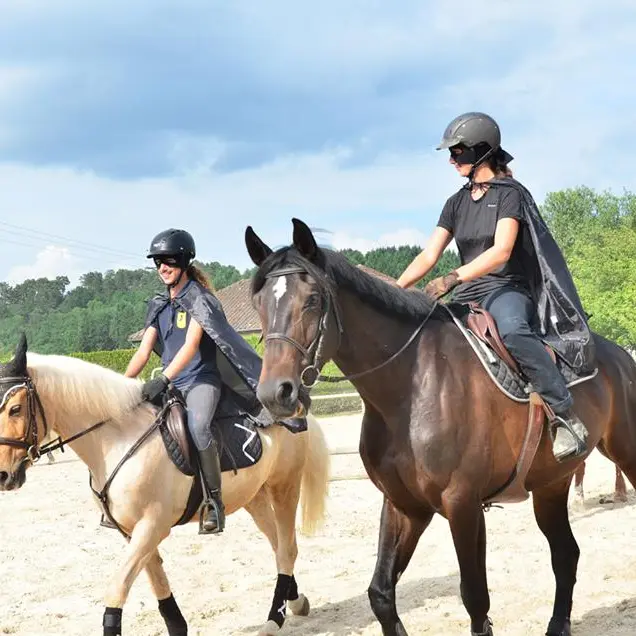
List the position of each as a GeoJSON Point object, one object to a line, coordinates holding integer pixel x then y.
{"type": "Point", "coordinates": [473, 224]}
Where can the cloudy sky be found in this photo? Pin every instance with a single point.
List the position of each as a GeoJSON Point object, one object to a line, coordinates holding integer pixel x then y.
{"type": "Point", "coordinates": [120, 119]}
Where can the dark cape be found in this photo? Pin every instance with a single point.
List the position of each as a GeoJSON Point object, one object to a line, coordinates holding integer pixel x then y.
{"type": "Point", "coordinates": [239, 365]}
{"type": "Point", "coordinates": [562, 322]}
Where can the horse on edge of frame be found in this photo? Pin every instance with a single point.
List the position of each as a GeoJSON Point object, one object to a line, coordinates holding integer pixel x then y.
{"type": "Point", "coordinates": [121, 439]}
{"type": "Point", "coordinates": [438, 435]}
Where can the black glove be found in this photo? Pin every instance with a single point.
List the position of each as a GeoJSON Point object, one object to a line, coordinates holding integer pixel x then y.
{"type": "Point", "coordinates": [153, 390]}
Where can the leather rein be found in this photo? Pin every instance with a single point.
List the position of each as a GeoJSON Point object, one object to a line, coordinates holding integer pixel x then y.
{"type": "Point", "coordinates": [30, 441]}
{"type": "Point", "coordinates": [313, 353]}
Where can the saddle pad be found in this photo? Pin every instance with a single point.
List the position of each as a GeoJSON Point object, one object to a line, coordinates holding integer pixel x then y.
{"type": "Point", "coordinates": [239, 443]}
{"type": "Point", "coordinates": [512, 384]}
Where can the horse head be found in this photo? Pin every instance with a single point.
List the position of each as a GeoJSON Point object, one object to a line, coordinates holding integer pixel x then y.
{"type": "Point", "coordinates": [298, 313]}
{"type": "Point", "coordinates": [18, 421]}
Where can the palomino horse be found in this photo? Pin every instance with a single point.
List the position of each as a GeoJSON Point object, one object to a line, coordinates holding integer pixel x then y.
{"type": "Point", "coordinates": [437, 434]}
{"type": "Point", "coordinates": [148, 495]}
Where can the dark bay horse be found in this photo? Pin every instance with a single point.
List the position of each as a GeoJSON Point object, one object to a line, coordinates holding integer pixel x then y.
{"type": "Point", "coordinates": [437, 435]}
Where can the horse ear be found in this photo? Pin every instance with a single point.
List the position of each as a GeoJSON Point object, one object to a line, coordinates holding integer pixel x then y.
{"type": "Point", "coordinates": [19, 361]}
{"type": "Point", "coordinates": [257, 250]}
{"type": "Point", "coordinates": [304, 240]}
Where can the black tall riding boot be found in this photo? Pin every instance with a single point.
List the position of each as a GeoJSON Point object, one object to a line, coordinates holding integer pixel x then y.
{"type": "Point", "coordinates": [212, 520]}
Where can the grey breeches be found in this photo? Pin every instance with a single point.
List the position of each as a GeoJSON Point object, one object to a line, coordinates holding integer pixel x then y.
{"type": "Point", "coordinates": [201, 403]}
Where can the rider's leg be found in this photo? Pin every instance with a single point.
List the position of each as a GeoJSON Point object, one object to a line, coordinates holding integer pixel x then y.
{"type": "Point", "coordinates": [514, 313]}
{"type": "Point", "coordinates": [201, 402]}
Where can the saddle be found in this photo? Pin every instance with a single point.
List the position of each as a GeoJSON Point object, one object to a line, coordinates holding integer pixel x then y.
{"type": "Point", "coordinates": [480, 329]}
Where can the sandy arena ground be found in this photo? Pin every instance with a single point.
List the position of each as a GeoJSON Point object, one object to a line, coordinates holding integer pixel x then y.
{"type": "Point", "coordinates": [54, 560]}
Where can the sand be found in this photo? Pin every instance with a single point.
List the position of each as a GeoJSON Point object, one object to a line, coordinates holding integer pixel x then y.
{"type": "Point", "coordinates": [55, 559]}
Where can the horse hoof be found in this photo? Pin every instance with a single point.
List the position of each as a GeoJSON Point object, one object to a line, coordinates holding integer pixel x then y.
{"type": "Point", "coordinates": [269, 629]}
{"type": "Point", "coordinates": [299, 606]}
{"type": "Point", "coordinates": [555, 630]}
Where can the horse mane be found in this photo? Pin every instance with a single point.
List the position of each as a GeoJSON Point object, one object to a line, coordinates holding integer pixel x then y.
{"type": "Point", "coordinates": [332, 270]}
{"type": "Point", "coordinates": [71, 385]}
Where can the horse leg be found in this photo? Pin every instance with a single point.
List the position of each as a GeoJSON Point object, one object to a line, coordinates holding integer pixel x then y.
{"type": "Point", "coordinates": [578, 485]}
{"type": "Point", "coordinates": [620, 490]}
{"type": "Point", "coordinates": [399, 535]}
{"type": "Point", "coordinates": [284, 501]}
{"type": "Point", "coordinates": [468, 528]}
{"type": "Point", "coordinates": [143, 543]}
{"type": "Point", "coordinates": [260, 508]}
{"type": "Point", "coordinates": [551, 513]}
{"type": "Point", "coordinates": [168, 607]}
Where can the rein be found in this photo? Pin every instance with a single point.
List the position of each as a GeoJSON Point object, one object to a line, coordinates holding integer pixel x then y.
{"type": "Point", "coordinates": [313, 353]}
{"type": "Point", "coordinates": [30, 442]}
{"type": "Point", "coordinates": [34, 451]}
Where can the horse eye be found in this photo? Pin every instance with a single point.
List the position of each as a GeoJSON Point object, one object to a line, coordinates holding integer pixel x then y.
{"type": "Point", "coordinates": [14, 410]}
{"type": "Point", "coordinates": [312, 301]}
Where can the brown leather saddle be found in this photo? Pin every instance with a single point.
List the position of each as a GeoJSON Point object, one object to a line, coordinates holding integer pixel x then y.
{"type": "Point", "coordinates": [483, 325]}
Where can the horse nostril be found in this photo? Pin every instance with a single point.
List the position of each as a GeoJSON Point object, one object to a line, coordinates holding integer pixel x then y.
{"type": "Point", "coordinates": [284, 392]}
{"type": "Point", "coordinates": [4, 477]}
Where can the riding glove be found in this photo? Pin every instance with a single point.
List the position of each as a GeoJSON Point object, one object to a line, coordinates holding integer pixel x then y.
{"type": "Point", "coordinates": [153, 390]}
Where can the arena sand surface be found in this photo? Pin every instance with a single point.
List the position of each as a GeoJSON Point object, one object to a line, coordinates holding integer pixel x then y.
{"type": "Point", "coordinates": [55, 559]}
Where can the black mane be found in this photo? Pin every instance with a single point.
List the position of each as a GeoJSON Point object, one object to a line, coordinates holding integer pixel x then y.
{"type": "Point", "coordinates": [332, 270]}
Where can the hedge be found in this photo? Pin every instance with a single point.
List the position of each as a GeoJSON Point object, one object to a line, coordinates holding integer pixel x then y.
{"type": "Point", "coordinates": [118, 360]}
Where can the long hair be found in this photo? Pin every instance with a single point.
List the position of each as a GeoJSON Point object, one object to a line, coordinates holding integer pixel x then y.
{"type": "Point", "coordinates": [197, 274]}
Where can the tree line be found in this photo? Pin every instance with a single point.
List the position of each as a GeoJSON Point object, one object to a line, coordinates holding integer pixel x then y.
{"type": "Point", "coordinates": [596, 231]}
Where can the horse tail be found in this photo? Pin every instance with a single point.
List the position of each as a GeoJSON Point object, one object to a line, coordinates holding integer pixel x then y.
{"type": "Point", "coordinates": [315, 478]}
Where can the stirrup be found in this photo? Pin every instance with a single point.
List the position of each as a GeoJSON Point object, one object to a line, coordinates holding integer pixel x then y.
{"type": "Point", "coordinates": [216, 508]}
{"type": "Point", "coordinates": [577, 449]}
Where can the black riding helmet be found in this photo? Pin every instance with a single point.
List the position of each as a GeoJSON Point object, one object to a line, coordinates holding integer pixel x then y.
{"type": "Point", "coordinates": [478, 134]}
{"type": "Point", "coordinates": [176, 243]}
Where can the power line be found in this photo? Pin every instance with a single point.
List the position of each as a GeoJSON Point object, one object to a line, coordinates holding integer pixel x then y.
{"type": "Point", "coordinates": [20, 229]}
{"type": "Point", "coordinates": [105, 259]}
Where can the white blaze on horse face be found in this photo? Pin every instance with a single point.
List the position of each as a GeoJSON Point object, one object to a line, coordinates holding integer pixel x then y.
{"type": "Point", "coordinates": [280, 287]}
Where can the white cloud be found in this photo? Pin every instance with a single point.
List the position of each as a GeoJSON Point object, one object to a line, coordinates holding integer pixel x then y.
{"type": "Point", "coordinates": [50, 262]}
{"type": "Point", "coordinates": [342, 240]}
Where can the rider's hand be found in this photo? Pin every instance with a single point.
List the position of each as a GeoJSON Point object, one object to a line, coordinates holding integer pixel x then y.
{"type": "Point", "coordinates": [439, 287]}
{"type": "Point", "coordinates": [153, 390]}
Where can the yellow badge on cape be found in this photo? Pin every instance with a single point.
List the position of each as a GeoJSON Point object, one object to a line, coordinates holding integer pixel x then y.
{"type": "Point", "coordinates": [182, 319]}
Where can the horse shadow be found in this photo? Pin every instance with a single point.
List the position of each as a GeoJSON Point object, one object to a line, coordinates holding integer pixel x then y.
{"type": "Point", "coordinates": [353, 614]}
{"type": "Point", "coordinates": [616, 620]}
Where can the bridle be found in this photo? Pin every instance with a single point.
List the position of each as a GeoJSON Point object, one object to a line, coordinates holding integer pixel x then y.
{"type": "Point", "coordinates": [313, 353]}
{"type": "Point", "coordinates": [31, 440]}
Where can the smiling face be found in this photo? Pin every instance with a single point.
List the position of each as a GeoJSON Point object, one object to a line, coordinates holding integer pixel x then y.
{"type": "Point", "coordinates": [168, 268]}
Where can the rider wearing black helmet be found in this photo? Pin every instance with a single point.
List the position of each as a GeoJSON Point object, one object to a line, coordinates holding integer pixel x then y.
{"type": "Point", "coordinates": [188, 357]}
{"type": "Point", "coordinates": [510, 265]}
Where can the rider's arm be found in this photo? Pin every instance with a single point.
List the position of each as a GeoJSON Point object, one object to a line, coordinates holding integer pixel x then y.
{"type": "Point", "coordinates": [142, 355]}
{"type": "Point", "coordinates": [424, 262]}
{"type": "Point", "coordinates": [186, 352]}
{"type": "Point", "coordinates": [505, 236]}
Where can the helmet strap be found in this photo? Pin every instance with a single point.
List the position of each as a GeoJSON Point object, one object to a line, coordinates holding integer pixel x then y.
{"type": "Point", "coordinates": [471, 174]}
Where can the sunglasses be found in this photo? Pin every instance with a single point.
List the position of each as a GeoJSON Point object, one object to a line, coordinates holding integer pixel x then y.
{"type": "Point", "coordinates": [170, 261]}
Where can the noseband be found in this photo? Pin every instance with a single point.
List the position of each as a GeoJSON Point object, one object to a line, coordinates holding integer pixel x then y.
{"type": "Point", "coordinates": [30, 442]}
{"type": "Point", "coordinates": [314, 352]}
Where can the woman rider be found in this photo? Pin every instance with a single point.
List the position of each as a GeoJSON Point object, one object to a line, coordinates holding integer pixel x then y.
{"type": "Point", "coordinates": [188, 358]}
{"type": "Point", "coordinates": [487, 218]}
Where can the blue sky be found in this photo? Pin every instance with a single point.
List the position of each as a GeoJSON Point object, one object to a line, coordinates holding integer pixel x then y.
{"type": "Point", "coordinates": [120, 119]}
